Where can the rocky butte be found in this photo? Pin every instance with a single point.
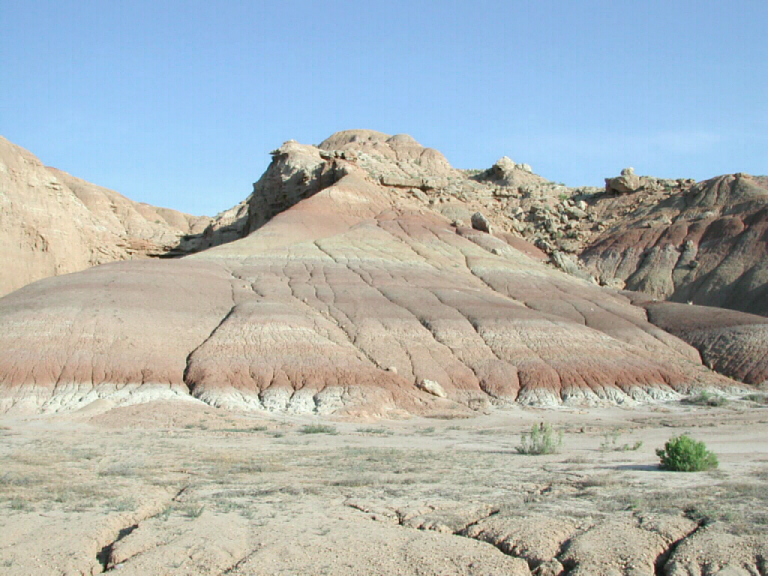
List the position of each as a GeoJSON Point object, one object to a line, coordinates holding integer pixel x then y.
{"type": "Point", "coordinates": [366, 276]}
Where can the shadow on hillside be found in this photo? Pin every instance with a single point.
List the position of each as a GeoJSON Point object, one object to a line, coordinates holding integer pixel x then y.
{"type": "Point", "coordinates": [210, 237]}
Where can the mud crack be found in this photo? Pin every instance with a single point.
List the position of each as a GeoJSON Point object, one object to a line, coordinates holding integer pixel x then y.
{"type": "Point", "coordinates": [104, 556]}
{"type": "Point", "coordinates": [239, 563]}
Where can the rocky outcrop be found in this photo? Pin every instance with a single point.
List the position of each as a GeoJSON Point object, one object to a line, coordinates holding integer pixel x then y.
{"type": "Point", "coordinates": [705, 243]}
{"type": "Point", "coordinates": [348, 300]}
{"type": "Point", "coordinates": [52, 223]}
{"type": "Point", "coordinates": [505, 172]}
{"type": "Point", "coordinates": [296, 172]}
{"type": "Point", "coordinates": [626, 183]}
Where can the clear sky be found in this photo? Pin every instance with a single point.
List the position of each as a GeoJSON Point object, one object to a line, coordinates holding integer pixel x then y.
{"type": "Point", "coordinates": [178, 103]}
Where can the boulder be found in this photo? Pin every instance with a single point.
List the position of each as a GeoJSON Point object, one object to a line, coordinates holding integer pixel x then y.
{"type": "Point", "coordinates": [626, 183]}
{"type": "Point", "coordinates": [480, 222]}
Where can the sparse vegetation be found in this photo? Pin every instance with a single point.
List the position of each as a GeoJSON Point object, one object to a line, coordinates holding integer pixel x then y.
{"type": "Point", "coordinates": [756, 398]}
{"type": "Point", "coordinates": [375, 431]}
{"type": "Point", "coordinates": [611, 443]}
{"type": "Point", "coordinates": [684, 454]}
{"type": "Point", "coordinates": [192, 510]}
{"type": "Point", "coordinates": [705, 398]}
{"type": "Point", "coordinates": [542, 439]}
{"type": "Point", "coordinates": [318, 429]}
{"type": "Point", "coordinates": [20, 504]}
{"type": "Point", "coordinates": [251, 429]}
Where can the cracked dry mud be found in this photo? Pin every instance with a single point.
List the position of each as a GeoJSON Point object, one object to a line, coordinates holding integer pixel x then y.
{"type": "Point", "coordinates": [173, 487]}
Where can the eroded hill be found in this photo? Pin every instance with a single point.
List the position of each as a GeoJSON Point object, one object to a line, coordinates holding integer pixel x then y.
{"type": "Point", "coordinates": [52, 223]}
{"type": "Point", "coordinates": [363, 292]}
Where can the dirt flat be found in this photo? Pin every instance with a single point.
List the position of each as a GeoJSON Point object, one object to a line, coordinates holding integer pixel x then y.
{"type": "Point", "coordinates": [179, 487]}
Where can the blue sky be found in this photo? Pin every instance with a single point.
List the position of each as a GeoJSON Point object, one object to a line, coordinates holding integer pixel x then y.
{"type": "Point", "coordinates": [179, 103]}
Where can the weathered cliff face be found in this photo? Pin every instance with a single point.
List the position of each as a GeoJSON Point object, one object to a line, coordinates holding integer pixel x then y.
{"type": "Point", "coordinates": [52, 223]}
{"type": "Point", "coordinates": [358, 297]}
{"type": "Point", "coordinates": [706, 243]}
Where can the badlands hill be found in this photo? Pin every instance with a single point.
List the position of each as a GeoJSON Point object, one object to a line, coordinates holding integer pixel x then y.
{"type": "Point", "coordinates": [374, 279]}
{"type": "Point", "coordinates": [52, 223]}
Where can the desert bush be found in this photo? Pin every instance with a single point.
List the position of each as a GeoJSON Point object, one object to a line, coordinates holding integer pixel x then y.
{"type": "Point", "coordinates": [757, 398]}
{"type": "Point", "coordinates": [21, 504]}
{"type": "Point", "coordinates": [542, 439]}
{"type": "Point", "coordinates": [705, 398]}
{"type": "Point", "coordinates": [684, 454]}
{"type": "Point", "coordinates": [193, 510]}
{"type": "Point", "coordinates": [375, 431]}
{"type": "Point", "coordinates": [318, 429]}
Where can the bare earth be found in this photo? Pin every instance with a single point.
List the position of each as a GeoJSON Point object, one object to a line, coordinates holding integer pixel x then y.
{"type": "Point", "coordinates": [179, 487]}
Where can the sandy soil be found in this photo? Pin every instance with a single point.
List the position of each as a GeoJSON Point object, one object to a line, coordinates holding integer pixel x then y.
{"type": "Point", "coordinates": [183, 488]}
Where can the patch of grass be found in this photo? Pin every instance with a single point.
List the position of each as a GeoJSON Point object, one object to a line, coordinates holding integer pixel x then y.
{"type": "Point", "coordinates": [705, 398]}
{"type": "Point", "coordinates": [576, 460]}
{"type": "Point", "coordinates": [123, 505]}
{"type": "Point", "coordinates": [256, 468]}
{"type": "Point", "coordinates": [318, 429]}
{"type": "Point", "coordinates": [122, 469]}
{"type": "Point", "coordinates": [356, 481]}
{"type": "Point", "coordinates": [15, 479]}
{"type": "Point", "coordinates": [597, 481]}
{"type": "Point", "coordinates": [192, 510]}
{"type": "Point", "coordinates": [428, 430]}
{"type": "Point", "coordinates": [704, 515]}
{"type": "Point", "coordinates": [375, 431]}
{"type": "Point", "coordinates": [85, 454]}
{"type": "Point", "coordinates": [165, 514]}
{"type": "Point", "coordinates": [611, 443]}
{"type": "Point", "coordinates": [684, 454]}
{"type": "Point", "coordinates": [20, 505]}
{"type": "Point", "coordinates": [542, 439]}
{"type": "Point", "coordinates": [251, 429]}
{"type": "Point", "coordinates": [756, 398]}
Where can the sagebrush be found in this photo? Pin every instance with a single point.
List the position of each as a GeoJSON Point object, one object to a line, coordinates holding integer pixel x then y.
{"type": "Point", "coordinates": [542, 439]}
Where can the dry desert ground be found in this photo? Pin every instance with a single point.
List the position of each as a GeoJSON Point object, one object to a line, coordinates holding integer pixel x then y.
{"type": "Point", "coordinates": [179, 487]}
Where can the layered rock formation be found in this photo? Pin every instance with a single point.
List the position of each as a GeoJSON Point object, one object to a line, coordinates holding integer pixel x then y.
{"type": "Point", "coordinates": [730, 342]}
{"type": "Point", "coordinates": [673, 239]}
{"type": "Point", "coordinates": [52, 223]}
{"type": "Point", "coordinates": [706, 243]}
{"type": "Point", "coordinates": [354, 297]}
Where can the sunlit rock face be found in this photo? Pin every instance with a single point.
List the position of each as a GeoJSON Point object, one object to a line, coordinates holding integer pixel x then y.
{"type": "Point", "coordinates": [352, 295]}
{"type": "Point", "coordinates": [52, 223]}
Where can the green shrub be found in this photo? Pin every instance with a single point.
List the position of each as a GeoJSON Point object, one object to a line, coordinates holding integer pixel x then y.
{"type": "Point", "coordinates": [542, 439]}
{"type": "Point", "coordinates": [684, 454]}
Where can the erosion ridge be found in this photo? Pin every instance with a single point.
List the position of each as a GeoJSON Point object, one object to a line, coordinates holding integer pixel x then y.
{"type": "Point", "coordinates": [360, 294]}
